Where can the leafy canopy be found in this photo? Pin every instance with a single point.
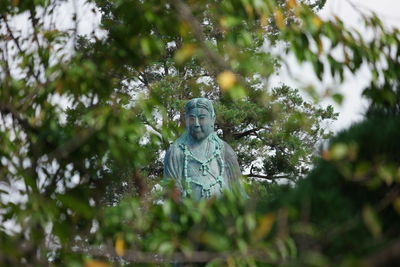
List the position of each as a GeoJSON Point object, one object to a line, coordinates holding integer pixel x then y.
{"type": "Point", "coordinates": [125, 94]}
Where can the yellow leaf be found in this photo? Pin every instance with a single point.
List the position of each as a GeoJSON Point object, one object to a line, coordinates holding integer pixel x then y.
{"type": "Point", "coordinates": [280, 21]}
{"type": "Point", "coordinates": [224, 23]}
{"type": "Point", "coordinates": [317, 21]}
{"type": "Point", "coordinates": [230, 262]}
{"type": "Point", "coordinates": [94, 263]}
{"type": "Point", "coordinates": [119, 246]}
{"type": "Point", "coordinates": [226, 80]}
{"type": "Point", "coordinates": [320, 46]}
{"type": "Point", "coordinates": [371, 220]}
{"type": "Point", "coordinates": [249, 9]}
{"type": "Point", "coordinates": [264, 21]}
{"type": "Point", "coordinates": [184, 53]}
{"type": "Point", "coordinates": [265, 225]}
{"type": "Point", "coordinates": [292, 4]}
{"type": "Point", "coordinates": [184, 28]}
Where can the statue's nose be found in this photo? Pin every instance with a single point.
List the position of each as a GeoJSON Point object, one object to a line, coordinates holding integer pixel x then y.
{"type": "Point", "coordinates": [196, 122]}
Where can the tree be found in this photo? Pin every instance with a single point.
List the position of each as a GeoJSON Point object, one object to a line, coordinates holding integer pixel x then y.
{"type": "Point", "coordinates": [216, 50]}
{"type": "Point", "coordinates": [61, 163]}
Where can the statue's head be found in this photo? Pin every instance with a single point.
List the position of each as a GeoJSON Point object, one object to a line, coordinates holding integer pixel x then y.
{"type": "Point", "coordinates": [200, 118]}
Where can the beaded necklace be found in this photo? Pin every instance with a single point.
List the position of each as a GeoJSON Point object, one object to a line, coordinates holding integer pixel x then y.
{"type": "Point", "coordinates": [206, 189]}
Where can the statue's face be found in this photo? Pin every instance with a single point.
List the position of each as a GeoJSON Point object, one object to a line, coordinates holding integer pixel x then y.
{"type": "Point", "coordinates": [200, 123]}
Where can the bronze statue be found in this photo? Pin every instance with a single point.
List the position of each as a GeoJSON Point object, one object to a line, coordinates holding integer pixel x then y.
{"type": "Point", "coordinates": [201, 164]}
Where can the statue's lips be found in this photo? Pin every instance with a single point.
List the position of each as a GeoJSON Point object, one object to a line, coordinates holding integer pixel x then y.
{"type": "Point", "coordinates": [197, 133]}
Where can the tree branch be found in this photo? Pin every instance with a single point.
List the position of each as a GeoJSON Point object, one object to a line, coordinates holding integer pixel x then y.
{"type": "Point", "coordinates": [8, 109]}
{"type": "Point", "coordinates": [15, 40]}
{"type": "Point", "coordinates": [248, 132]}
{"type": "Point", "coordinates": [143, 78]}
{"type": "Point", "coordinates": [134, 256]}
{"type": "Point", "coordinates": [267, 177]}
{"type": "Point", "coordinates": [4, 54]}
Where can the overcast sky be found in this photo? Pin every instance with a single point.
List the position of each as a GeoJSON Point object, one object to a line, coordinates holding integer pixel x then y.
{"type": "Point", "coordinates": [388, 11]}
{"type": "Point", "coordinates": [353, 105]}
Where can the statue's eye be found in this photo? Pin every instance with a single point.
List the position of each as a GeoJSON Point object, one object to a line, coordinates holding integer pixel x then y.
{"type": "Point", "coordinates": [191, 119]}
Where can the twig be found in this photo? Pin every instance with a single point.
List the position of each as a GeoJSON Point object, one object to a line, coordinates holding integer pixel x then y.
{"type": "Point", "coordinates": [10, 33]}
{"type": "Point", "coordinates": [267, 177]}
{"type": "Point", "coordinates": [248, 132]}
{"type": "Point", "coordinates": [8, 109]}
{"type": "Point", "coordinates": [134, 256]}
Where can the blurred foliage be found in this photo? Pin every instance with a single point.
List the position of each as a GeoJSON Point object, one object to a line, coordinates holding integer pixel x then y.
{"type": "Point", "coordinates": [84, 120]}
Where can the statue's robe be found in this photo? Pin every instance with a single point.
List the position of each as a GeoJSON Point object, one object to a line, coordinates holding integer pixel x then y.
{"type": "Point", "coordinates": [174, 162]}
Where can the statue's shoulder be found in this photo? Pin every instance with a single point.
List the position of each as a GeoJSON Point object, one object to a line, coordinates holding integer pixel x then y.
{"type": "Point", "coordinates": [230, 156]}
{"type": "Point", "coordinates": [224, 147]}
{"type": "Point", "coordinates": [228, 150]}
{"type": "Point", "coordinates": [232, 167]}
{"type": "Point", "coordinates": [176, 148]}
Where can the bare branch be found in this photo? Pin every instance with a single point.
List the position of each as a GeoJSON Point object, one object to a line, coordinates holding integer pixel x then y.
{"type": "Point", "coordinates": [143, 78]}
{"type": "Point", "coordinates": [268, 177]}
{"type": "Point", "coordinates": [17, 44]}
{"type": "Point", "coordinates": [166, 69]}
{"type": "Point", "coordinates": [8, 109]}
{"type": "Point", "coordinates": [248, 132]}
{"type": "Point", "coordinates": [4, 54]}
{"type": "Point", "coordinates": [134, 256]}
{"type": "Point", "coordinates": [140, 184]}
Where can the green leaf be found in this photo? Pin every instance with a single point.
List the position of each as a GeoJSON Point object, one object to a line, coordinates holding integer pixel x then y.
{"type": "Point", "coordinates": [371, 220]}
{"type": "Point", "coordinates": [338, 98]}
{"type": "Point", "coordinates": [76, 204]}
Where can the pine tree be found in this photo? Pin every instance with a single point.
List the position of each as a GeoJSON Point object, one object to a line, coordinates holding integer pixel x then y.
{"type": "Point", "coordinates": [193, 50]}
